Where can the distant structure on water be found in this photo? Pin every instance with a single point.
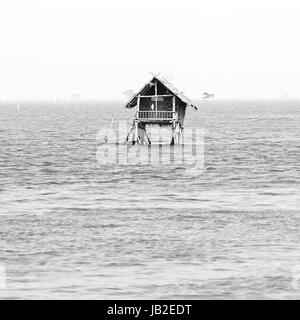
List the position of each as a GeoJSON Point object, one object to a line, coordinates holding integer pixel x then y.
{"type": "Point", "coordinates": [158, 103]}
{"type": "Point", "coordinates": [206, 95]}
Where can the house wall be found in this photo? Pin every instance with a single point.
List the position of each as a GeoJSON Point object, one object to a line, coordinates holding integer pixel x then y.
{"type": "Point", "coordinates": [164, 104]}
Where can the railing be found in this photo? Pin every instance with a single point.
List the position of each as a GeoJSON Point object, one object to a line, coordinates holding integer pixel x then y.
{"type": "Point", "coordinates": [155, 115]}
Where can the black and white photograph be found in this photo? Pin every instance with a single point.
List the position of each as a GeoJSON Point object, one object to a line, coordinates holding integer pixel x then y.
{"type": "Point", "coordinates": [149, 151]}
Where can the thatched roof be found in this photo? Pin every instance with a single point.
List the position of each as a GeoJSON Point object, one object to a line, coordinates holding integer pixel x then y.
{"type": "Point", "coordinates": [133, 100]}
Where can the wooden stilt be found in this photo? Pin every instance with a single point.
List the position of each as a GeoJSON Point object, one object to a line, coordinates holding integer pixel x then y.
{"type": "Point", "coordinates": [180, 133]}
{"type": "Point", "coordinates": [149, 142]}
{"type": "Point", "coordinates": [173, 134]}
{"type": "Point", "coordinates": [134, 133]}
{"type": "Point", "coordinates": [128, 134]}
{"type": "Point", "coordinates": [178, 129]}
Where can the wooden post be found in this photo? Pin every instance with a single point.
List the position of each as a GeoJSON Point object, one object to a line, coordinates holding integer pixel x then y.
{"type": "Point", "coordinates": [138, 106]}
{"type": "Point", "coordinates": [173, 122]}
{"type": "Point", "coordinates": [174, 104]}
{"type": "Point", "coordinates": [149, 142]}
{"type": "Point", "coordinates": [156, 98]}
{"type": "Point", "coordinates": [173, 134]}
{"type": "Point", "coordinates": [136, 132]}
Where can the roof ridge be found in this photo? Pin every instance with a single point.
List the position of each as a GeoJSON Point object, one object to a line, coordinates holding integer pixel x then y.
{"type": "Point", "coordinates": [167, 84]}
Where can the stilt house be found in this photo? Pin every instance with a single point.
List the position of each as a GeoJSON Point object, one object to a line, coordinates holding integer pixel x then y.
{"type": "Point", "coordinates": [160, 103]}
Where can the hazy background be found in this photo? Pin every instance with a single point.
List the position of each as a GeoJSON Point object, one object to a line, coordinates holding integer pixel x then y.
{"type": "Point", "coordinates": [236, 49]}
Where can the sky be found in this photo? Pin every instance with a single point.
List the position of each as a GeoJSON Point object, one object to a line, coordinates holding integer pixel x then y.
{"type": "Point", "coordinates": [95, 49]}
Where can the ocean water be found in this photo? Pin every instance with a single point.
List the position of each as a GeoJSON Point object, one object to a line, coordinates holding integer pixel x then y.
{"type": "Point", "coordinates": [71, 227]}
